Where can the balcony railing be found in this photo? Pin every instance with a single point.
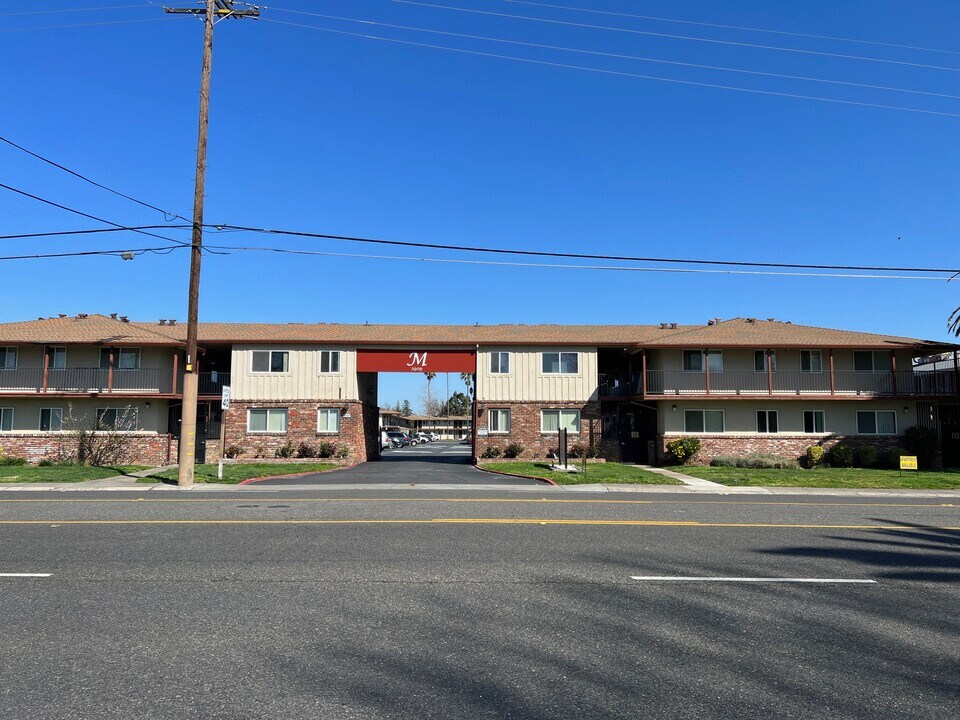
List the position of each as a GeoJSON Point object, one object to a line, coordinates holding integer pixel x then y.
{"type": "Point", "coordinates": [613, 385]}
{"type": "Point", "coordinates": [904, 383]}
{"type": "Point", "coordinates": [211, 383]}
{"type": "Point", "coordinates": [158, 381]}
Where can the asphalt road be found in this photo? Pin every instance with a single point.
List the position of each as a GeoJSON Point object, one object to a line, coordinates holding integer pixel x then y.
{"type": "Point", "coordinates": [443, 462]}
{"type": "Point", "coordinates": [275, 604]}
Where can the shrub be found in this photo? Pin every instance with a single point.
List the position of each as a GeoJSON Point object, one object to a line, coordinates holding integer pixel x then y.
{"type": "Point", "coordinates": [841, 455]}
{"type": "Point", "coordinates": [305, 450]}
{"type": "Point", "coordinates": [891, 458]}
{"type": "Point", "coordinates": [683, 449]}
{"type": "Point", "coordinates": [758, 461]}
{"type": "Point", "coordinates": [593, 451]}
{"type": "Point", "coordinates": [45, 463]}
{"type": "Point", "coordinates": [260, 451]}
{"type": "Point", "coordinates": [342, 452]}
{"type": "Point", "coordinates": [513, 450]}
{"type": "Point", "coordinates": [491, 451]}
{"type": "Point", "coordinates": [867, 456]}
{"type": "Point", "coordinates": [576, 451]}
{"type": "Point", "coordinates": [326, 450]}
{"type": "Point", "coordinates": [922, 442]}
{"type": "Point", "coordinates": [723, 461]}
{"type": "Point", "coordinates": [234, 451]}
{"type": "Point", "coordinates": [815, 454]}
{"type": "Point", "coordinates": [286, 451]}
{"type": "Point", "coordinates": [12, 461]}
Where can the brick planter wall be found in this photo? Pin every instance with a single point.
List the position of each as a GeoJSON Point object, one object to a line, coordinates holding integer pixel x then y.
{"type": "Point", "coordinates": [789, 446]}
{"type": "Point", "coordinates": [525, 427]}
{"type": "Point", "coordinates": [301, 428]}
{"type": "Point", "coordinates": [142, 449]}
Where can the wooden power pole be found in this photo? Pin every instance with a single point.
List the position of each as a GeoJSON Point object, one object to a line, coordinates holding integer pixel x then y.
{"type": "Point", "coordinates": [214, 11]}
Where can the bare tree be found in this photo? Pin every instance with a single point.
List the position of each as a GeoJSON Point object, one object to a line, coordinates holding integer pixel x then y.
{"type": "Point", "coordinates": [102, 440]}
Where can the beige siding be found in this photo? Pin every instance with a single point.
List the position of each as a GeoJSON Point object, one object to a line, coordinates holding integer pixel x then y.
{"type": "Point", "coordinates": [303, 381]}
{"type": "Point", "coordinates": [740, 417]}
{"type": "Point", "coordinates": [525, 381]}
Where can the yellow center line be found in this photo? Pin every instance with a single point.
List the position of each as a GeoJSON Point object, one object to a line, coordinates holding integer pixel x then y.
{"type": "Point", "coordinates": [482, 521]}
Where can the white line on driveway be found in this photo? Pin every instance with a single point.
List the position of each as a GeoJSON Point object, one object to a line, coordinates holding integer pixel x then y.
{"type": "Point", "coordinates": [680, 578]}
{"type": "Point", "coordinates": [24, 575]}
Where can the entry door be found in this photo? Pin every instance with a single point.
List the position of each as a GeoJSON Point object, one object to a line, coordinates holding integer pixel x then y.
{"type": "Point", "coordinates": [951, 444]}
{"type": "Point", "coordinates": [631, 440]}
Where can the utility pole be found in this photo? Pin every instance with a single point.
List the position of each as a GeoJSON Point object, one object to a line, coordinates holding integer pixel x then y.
{"type": "Point", "coordinates": [214, 11]}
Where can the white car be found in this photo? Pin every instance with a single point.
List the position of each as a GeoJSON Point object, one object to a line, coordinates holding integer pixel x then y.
{"type": "Point", "coordinates": [422, 437]}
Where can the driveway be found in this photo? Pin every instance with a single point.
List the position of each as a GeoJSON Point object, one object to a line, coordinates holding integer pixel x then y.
{"type": "Point", "coordinates": [442, 462]}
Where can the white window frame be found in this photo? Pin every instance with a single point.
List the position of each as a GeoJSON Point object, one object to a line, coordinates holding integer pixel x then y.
{"type": "Point", "coordinates": [560, 412]}
{"type": "Point", "coordinates": [4, 413]}
{"type": "Point", "coordinates": [330, 355]}
{"type": "Point", "coordinates": [823, 416]}
{"type": "Point", "coordinates": [499, 358]}
{"type": "Point", "coordinates": [500, 413]}
{"type": "Point", "coordinates": [328, 412]}
{"type": "Point", "coordinates": [10, 350]}
{"type": "Point", "coordinates": [51, 428]}
{"type": "Point", "coordinates": [269, 371]}
{"type": "Point", "coordinates": [117, 352]}
{"type": "Point", "coordinates": [703, 412]}
{"type": "Point", "coordinates": [767, 414]}
{"type": "Point", "coordinates": [286, 424]}
{"type": "Point", "coordinates": [773, 361]}
{"type": "Point", "coordinates": [704, 360]}
{"type": "Point", "coordinates": [876, 424]}
{"type": "Point", "coordinates": [560, 354]}
{"type": "Point", "coordinates": [811, 371]}
{"type": "Point", "coordinates": [116, 412]}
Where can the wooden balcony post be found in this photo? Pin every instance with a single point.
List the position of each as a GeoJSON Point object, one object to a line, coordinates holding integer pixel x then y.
{"type": "Point", "coordinates": [110, 373]}
{"type": "Point", "coordinates": [893, 371]}
{"type": "Point", "coordinates": [176, 359]}
{"type": "Point", "coordinates": [833, 379]}
{"type": "Point", "coordinates": [643, 373]}
{"type": "Point", "coordinates": [46, 368]}
{"type": "Point", "coordinates": [956, 373]}
{"type": "Point", "coordinates": [706, 367]}
{"type": "Point", "coordinates": [769, 372]}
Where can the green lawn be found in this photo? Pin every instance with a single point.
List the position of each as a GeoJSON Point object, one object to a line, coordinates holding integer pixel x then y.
{"type": "Point", "coordinates": [62, 473]}
{"type": "Point", "coordinates": [826, 477]}
{"type": "Point", "coordinates": [237, 473]}
{"type": "Point", "coordinates": [596, 473]}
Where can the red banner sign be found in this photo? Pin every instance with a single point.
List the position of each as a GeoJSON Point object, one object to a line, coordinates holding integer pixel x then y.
{"type": "Point", "coordinates": [438, 361]}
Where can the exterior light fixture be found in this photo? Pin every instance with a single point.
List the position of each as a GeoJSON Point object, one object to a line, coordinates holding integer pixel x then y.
{"type": "Point", "coordinates": [674, 408]}
{"type": "Point", "coordinates": [906, 410]}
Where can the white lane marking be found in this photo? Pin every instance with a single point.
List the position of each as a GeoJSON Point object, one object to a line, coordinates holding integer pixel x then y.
{"type": "Point", "coordinates": [681, 578]}
{"type": "Point", "coordinates": [24, 575]}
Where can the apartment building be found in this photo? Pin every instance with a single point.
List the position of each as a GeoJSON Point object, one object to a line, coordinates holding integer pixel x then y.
{"type": "Point", "coordinates": [740, 385]}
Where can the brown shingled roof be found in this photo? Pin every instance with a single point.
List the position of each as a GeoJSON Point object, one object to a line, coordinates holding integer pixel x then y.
{"type": "Point", "coordinates": [82, 330]}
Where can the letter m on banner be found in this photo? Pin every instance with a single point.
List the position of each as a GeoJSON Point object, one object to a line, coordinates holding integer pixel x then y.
{"type": "Point", "coordinates": [418, 361]}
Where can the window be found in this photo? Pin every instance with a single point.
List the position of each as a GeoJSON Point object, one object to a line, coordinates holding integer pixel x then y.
{"type": "Point", "coordinates": [51, 419]}
{"type": "Point", "coordinates": [500, 363]}
{"type": "Point", "coordinates": [703, 421]}
{"type": "Point", "coordinates": [271, 361]}
{"type": "Point", "coordinates": [879, 422]}
{"type": "Point", "coordinates": [58, 357]}
{"type": "Point", "coordinates": [267, 420]}
{"type": "Point", "coordinates": [500, 421]}
{"type": "Point", "coordinates": [117, 419]}
{"type": "Point", "coordinates": [760, 360]}
{"type": "Point", "coordinates": [562, 363]}
{"type": "Point", "coordinates": [767, 421]}
{"type": "Point", "coordinates": [811, 361]}
{"type": "Point", "coordinates": [329, 362]}
{"type": "Point", "coordinates": [813, 421]}
{"type": "Point", "coordinates": [552, 420]}
{"type": "Point", "coordinates": [124, 358]}
{"type": "Point", "coordinates": [693, 360]}
{"type": "Point", "coordinates": [328, 420]}
{"type": "Point", "coordinates": [6, 419]}
{"type": "Point", "coordinates": [869, 361]}
{"type": "Point", "coordinates": [8, 358]}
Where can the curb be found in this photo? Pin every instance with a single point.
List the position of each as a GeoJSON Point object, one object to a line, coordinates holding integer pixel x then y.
{"type": "Point", "coordinates": [251, 481]}
{"type": "Point", "coordinates": [525, 477]}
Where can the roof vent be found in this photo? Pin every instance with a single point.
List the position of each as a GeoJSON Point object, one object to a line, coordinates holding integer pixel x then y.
{"type": "Point", "coordinates": [664, 326]}
{"type": "Point", "coordinates": [711, 322]}
{"type": "Point", "coordinates": [113, 315]}
{"type": "Point", "coordinates": [171, 322]}
{"type": "Point", "coordinates": [163, 321]}
{"type": "Point", "coordinates": [63, 315]}
{"type": "Point", "coordinates": [124, 318]}
{"type": "Point", "coordinates": [82, 316]}
{"type": "Point", "coordinates": [673, 326]}
{"type": "Point", "coordinates": [751, 321]}
{"type": "Point", "coordinates": [771, 319]}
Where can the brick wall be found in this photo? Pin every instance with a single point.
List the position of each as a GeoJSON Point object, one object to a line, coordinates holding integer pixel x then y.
{"type": "Point", "coordinates": [525, 427]}
{"type": "Point", "coordinates": [301, 428]}
{"type": "Point", "coordinates": [789, 446]}
{"type": "Point", "coordinates": [141, 449]}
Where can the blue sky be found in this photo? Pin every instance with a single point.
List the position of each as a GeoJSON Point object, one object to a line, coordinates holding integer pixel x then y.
{"type": "Point", "coordinates": [340, 134]}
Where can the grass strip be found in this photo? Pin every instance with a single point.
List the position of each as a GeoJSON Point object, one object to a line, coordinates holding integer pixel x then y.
{"type": "Point", "coordinates": [62, 473]}
{"type": "Point", "coordinates": [608, 473]}
{"type": "Point", "coordinates": [237, 473]}
{"type": "Point", "coordinates": [856, 478]}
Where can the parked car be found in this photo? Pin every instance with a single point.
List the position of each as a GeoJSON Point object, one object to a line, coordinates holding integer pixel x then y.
{"type": "Point", "coordinates": [399, 439]}
{"type": "Point", "coordinates": [423, 437]}
{"type": "Point", "coordinates": [433, 436]}
{"type": "Point", "coordinates": [385, 441]}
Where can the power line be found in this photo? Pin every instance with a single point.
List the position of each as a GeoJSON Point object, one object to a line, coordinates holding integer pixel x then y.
{"type": "Point", "coordinates": [579, 256]}
{"type": "Point", "coordinates": [87, 253]}
{"type": "Point", "coordinates": [616, 55]}
{"type": "Point", "coordinates": [677, 37]}
{"type": "Point", "coordinates": [619, 73]}
{"type": "Point", "coordinates": [72, 10]}
{"type": "Point", "coordinates": [166, 213]}
{"type": "Point", "coordinates": [559, 266]}
{"type": "Point", "coordinates": [57, 233]}
{"type": "Point", "coordinates": [88, 215]}
{"type": "Point", "coordinates": [77, 25]}
{"type": "Point", "coordinates": [735, 27]}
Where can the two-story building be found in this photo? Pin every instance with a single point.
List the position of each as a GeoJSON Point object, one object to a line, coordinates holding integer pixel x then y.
{"type": "Point", "coordinates": [740, 385]}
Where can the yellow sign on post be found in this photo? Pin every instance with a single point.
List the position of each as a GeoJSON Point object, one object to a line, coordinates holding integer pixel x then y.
{"type": "Point", "coordinates": [908, 462]}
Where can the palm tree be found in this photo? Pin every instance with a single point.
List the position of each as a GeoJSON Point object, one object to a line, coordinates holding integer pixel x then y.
{"type": "Point", "coordinates": [430, 376]}
{"type": "Point", "coordinates": [953, 322]}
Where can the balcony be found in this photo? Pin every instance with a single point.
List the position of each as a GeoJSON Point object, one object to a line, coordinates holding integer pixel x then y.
{"type": "Point", "coordinates": [89, 381]}
{"type": "Point", "coordinates": [844, 384]}
{"type": "Point", "coordinates": [613, 385]}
